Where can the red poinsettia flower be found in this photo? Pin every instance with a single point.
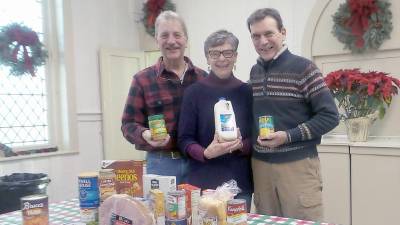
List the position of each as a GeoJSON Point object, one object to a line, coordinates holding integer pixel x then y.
{"type": "Point", "coordinates": [362, 93]}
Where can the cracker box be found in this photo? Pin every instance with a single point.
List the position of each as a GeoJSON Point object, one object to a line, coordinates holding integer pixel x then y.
{"type": "Point", "coordinates": [157, 205]}
{"type": "Point", "coordinates": [192, 202]}
{"type": "Point", "coordinates": [153, 181]}
{"type": "Point", "coordinates": [129, 176]}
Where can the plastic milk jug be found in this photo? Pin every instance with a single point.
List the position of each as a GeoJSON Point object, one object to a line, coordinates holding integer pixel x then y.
{"type": "Point", "coordinates": [225, 122]}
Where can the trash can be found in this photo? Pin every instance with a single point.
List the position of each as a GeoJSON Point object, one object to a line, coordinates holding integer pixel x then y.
{"type": "Point", "coordinates": [17, 185]}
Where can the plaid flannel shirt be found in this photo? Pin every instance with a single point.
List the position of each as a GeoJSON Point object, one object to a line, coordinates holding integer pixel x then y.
{"type": "Point", "coordinates": [155, 90]}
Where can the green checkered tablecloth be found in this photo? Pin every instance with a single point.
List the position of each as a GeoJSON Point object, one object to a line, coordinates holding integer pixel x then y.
{"type": "Point", "coordinates": [67, 212]}
{"type": "Point", "coordinates": [274, 220]}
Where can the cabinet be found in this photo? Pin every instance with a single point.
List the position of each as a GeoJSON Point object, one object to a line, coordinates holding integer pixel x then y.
{"type": "Point", "coordinates": [335, 167]}
{"type": "Point", "coordinates": [361, 180]}
{"type": "Point", "coordinates": [375, 185]}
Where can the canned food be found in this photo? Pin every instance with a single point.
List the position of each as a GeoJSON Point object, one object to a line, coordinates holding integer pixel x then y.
{"type": "Point", "coordinates": [157, 127]}
{"type": "Point", "coordinates": [265, 126]}
{"type": "Point", "coordinates": [176, 205]}
{"type": "Point", "coordinates": [89, 215]}
{"type": "Point", "coordinates": [88, 190]}
{"type": "Point", "coordinates": [35, 210]}
{"type": "Point", "coordinates": [176, 222]}
{"type": "Point", "coordinates": [236, 212]}
{"type": "Point", "coordinates": [107, 179]}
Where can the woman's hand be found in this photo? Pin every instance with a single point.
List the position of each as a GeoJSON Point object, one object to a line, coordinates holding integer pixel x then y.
{"type": "Point", "coordinates": [216, 148]}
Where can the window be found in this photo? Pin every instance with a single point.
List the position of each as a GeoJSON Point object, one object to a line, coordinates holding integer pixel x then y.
{"type": "Point", "coordinates": [30, 107]}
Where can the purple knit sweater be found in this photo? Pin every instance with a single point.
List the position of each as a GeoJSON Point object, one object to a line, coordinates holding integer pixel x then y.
{"type": "Point", "coordinates": [196, 132]}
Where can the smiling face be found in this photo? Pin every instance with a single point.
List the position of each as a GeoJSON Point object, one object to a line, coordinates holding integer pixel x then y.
{"type": "Point", "coordinates": [171, 39]}
{"type": "Point", "coordinates": [221, 59]}
{"type": "Point", "coordinates": [267, 38]}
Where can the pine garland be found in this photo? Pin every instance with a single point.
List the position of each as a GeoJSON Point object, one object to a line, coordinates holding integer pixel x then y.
{"type": "Point", "coordinates": [363, 25]}
{"type": "Point", "coordinates": [151, 9]}
{"type": "Point", "coordinates": [21, 49]}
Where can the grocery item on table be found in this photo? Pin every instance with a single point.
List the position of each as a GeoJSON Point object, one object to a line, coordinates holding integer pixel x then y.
{"type": "Point", "coordinates": [157, 205]}
{"type": "Point", "coordinates": [124, 209]}
{"type": "Point", "coordinates": [154, 181]}
{"type": "Point", "coordinates": [236, 212]}
{"type": "Point", "coordinates": [107, 182]}
{"type": "Point", "coordinates": [192, 202]}
{"type": "Point", "coordinates": [35, 209]}
{"type": "Point", "coordinates": [129, 175]}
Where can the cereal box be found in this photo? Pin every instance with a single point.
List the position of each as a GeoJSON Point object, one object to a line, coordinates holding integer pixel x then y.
{"type": "Point", "coordinates": [129, 175]}
{"type": "Point", "coordinates": [192, 202]}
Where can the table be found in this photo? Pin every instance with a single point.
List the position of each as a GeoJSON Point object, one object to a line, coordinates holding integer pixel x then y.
{"type": "Point", "coordinates": [67, 212]}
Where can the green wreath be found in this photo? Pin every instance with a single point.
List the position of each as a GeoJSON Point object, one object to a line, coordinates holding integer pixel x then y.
{"type": "Point", "coordinates": [363, 25]}
{"type": "Point", "coordinates": [151, 9]}
{"type": "Point", "coordinates": [21, 49]}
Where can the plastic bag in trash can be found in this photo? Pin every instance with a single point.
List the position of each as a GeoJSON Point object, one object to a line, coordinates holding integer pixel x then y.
{"type": "Point", "coordinates": [17, 185]}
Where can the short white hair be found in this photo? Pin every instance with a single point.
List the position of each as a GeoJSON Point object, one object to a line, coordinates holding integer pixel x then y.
{"type": "Point", "coordinates": [169, 15]}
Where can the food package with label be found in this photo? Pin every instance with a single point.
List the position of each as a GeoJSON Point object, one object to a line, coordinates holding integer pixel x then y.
{"type": "Point", "coordinates": [157, 205]}
{"type": "Point", "coordinates": [213, 204]}
{"type": "Point", "coordinates": [124, 209]}
{"type": "Point", "coordinates": [154, 181]}
{"type": "Point", "coordinates": [129, 175]}
{"type": "Point", "coordinates": [192, 202]}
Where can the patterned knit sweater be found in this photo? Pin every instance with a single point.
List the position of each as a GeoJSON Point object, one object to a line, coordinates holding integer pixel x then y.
{"type": "Point", "coordinates": [292, 90]}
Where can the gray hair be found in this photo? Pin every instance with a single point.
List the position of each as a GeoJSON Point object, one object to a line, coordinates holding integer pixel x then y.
{"type": "Point", "coordinates": [260, 14]}
{"type": "Point", "coordinates": [218, 38]}
{"type": "Point", "coordinates": [169, 15]}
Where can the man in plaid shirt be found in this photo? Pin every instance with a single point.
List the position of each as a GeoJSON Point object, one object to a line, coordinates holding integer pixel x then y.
{"type": "Point", "coordinates": [159, 90]}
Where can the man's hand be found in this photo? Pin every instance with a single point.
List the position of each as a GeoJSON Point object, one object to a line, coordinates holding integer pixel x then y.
{"type": "Point", "coordinates": [273, 140]}
{"type": "Point", "coordinates": [161, 143]}
{"type": "Point", "coordinates": [216, 148]}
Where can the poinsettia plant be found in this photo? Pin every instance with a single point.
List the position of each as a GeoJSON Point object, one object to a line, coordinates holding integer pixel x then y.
{"type": "Point", "coordinates": [361, 94]}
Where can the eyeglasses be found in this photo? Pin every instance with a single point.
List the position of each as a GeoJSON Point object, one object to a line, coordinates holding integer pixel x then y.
{"type": "Point", "coordinates": [214, 54]}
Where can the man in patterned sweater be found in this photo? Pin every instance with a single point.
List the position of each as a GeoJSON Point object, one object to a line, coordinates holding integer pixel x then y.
{"type": "Point", "coordinates": [291, 89]}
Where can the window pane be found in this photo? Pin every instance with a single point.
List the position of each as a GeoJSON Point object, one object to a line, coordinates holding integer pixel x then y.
{"type": "Point", "coordinates": [23, 99]}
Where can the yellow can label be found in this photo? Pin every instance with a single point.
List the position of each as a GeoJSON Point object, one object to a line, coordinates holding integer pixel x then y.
{"type": "Point", "coordinates": [266, 126]}
{"type": "Point", "coordinates": [157, 127]}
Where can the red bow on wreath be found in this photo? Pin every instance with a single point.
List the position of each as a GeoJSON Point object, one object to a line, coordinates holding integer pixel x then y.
{"type": "Point", "coordinates": [154, 8]}
{"type": "Point", "coordinates": [360, 10]}
{"type": "Point", "coordinates": [23, 39]}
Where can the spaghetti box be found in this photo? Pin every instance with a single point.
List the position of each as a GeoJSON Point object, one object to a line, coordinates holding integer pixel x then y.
{"type": "Point", "coordinates": [153, 181]}
{"type": "Point", "coordinates": [192, 202]}
{"type": "Point", "coordinates": [129, 175]}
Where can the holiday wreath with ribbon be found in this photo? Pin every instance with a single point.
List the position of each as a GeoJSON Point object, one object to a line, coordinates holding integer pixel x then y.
{"type": "Point", "coordinates": [21, 49]}
{"type": "Point", "coordinates": [363, 24]}
{"type": "Point", "coordinates": [151, 9]}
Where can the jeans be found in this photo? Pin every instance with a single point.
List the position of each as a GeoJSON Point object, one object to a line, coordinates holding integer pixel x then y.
{"type": "Point", "coordinates": [163, 164]}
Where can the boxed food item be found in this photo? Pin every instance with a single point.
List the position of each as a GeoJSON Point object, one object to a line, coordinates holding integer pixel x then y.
{"type": "Point", "coordinates": [157, 206]}
{"type": "Point", "coordinates": [153, 181]}
{"type": "Point", "coordinates": [192, 202]}
{"type": "Point", "coordinates": [129, 175]}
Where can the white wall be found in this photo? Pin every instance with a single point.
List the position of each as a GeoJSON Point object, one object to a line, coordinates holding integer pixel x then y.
{"type": "Point", "coordinates": [113, 23]}
{"type": "Point", "coordinates": [204, 17]}
{"type": "Point", "coordinates": [94, 23]}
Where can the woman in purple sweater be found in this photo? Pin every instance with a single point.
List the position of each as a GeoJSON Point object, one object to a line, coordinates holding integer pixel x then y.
{"type": "Point", "coordinates": [212, 162]}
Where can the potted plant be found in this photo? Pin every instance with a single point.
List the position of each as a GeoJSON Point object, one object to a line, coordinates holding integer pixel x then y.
{"type": "Point", "coordinates": [363, 96]}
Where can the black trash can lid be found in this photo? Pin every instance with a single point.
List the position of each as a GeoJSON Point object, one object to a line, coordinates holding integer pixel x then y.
{"type": "Point", "coordinates": [24, 179]}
